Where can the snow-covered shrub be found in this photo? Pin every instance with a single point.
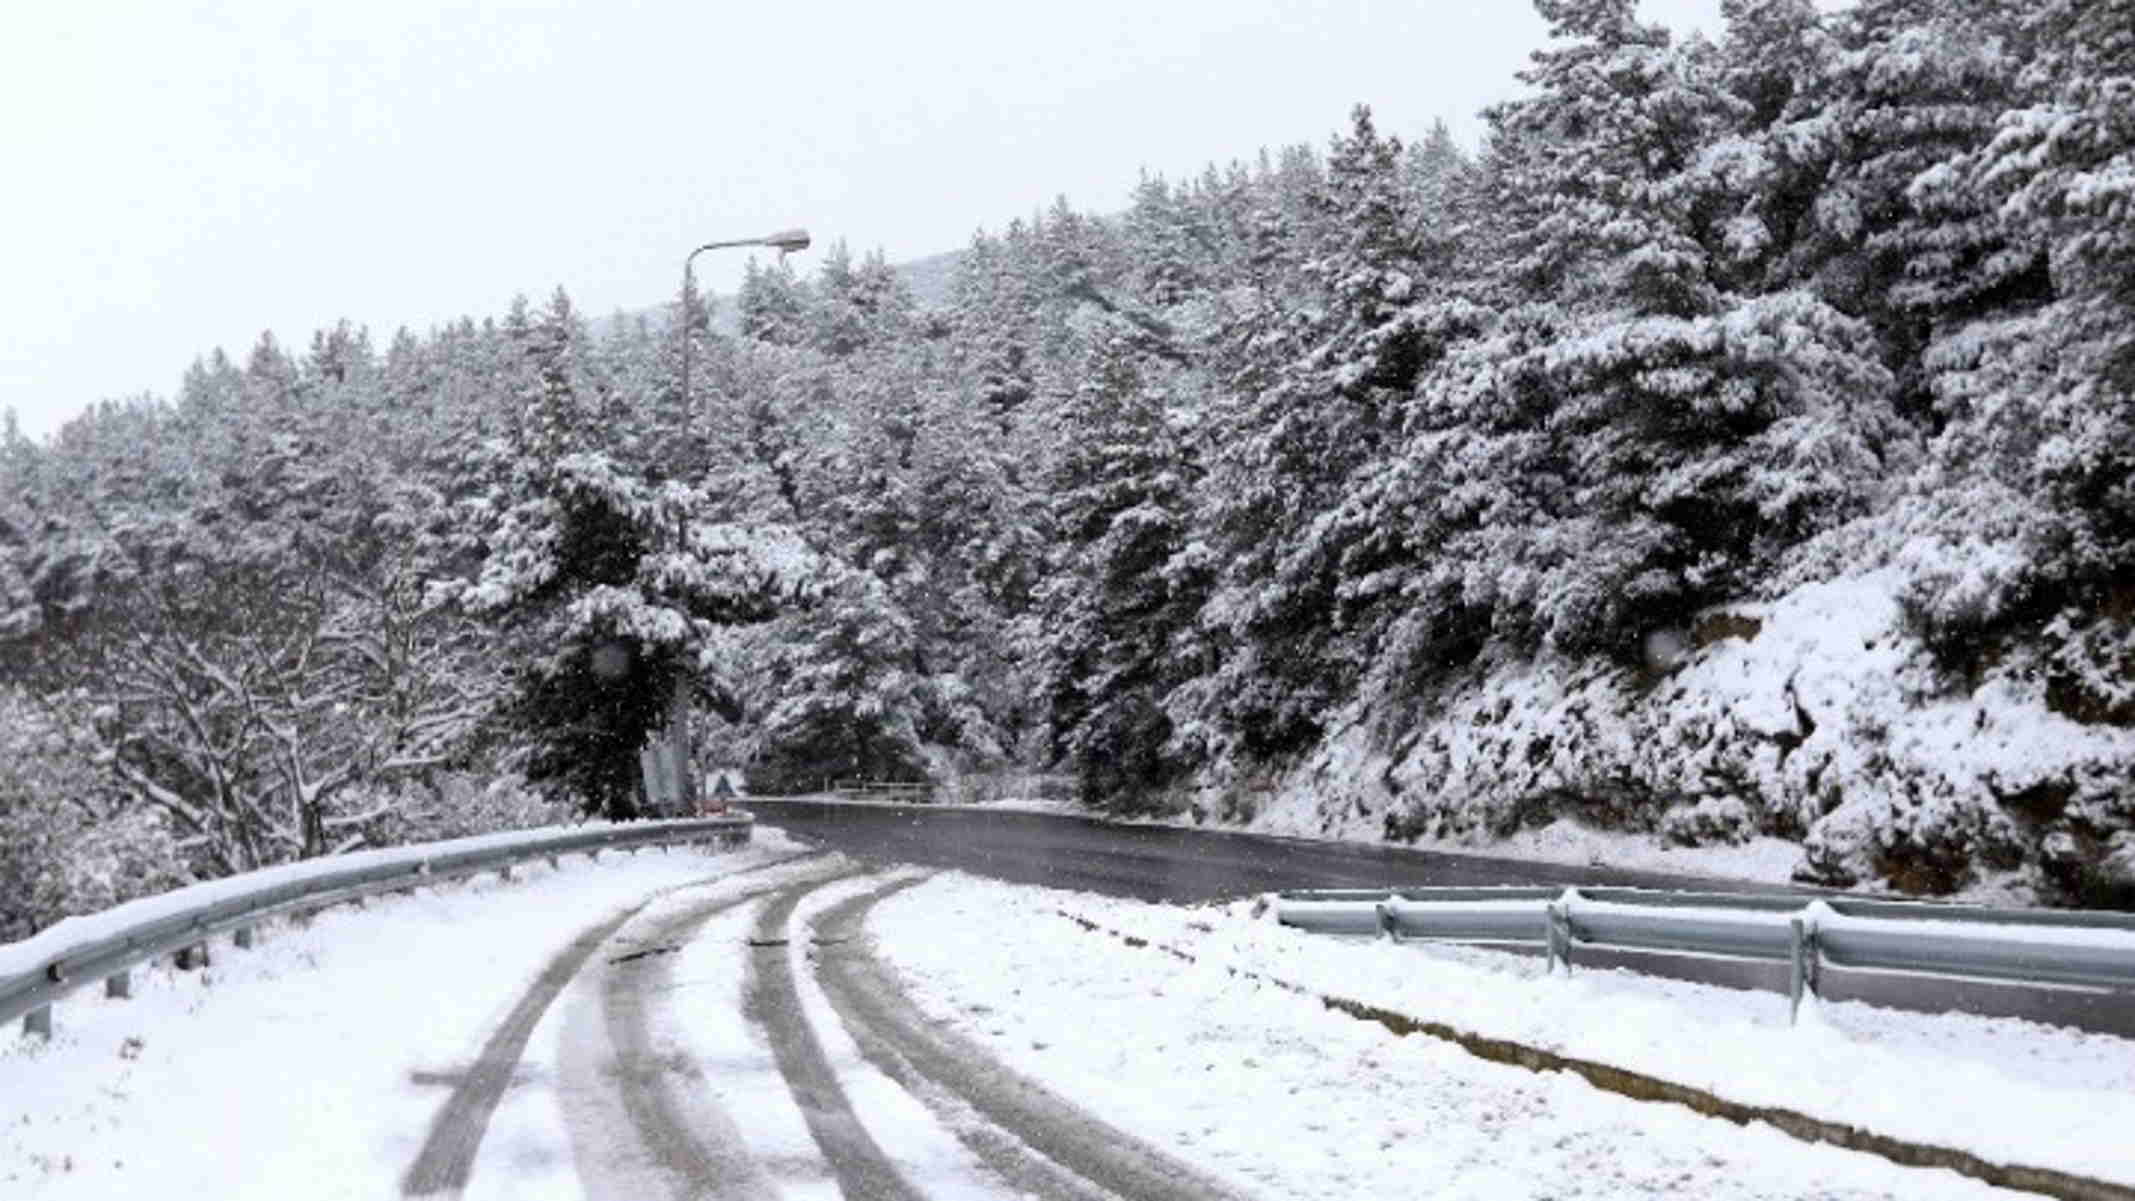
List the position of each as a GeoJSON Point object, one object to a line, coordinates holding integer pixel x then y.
{"type": "Point", "coordinates": [1961, 585]}
{"type": "Point", "coordinates": [2091, 668]}
{"type": "Point", "coordinates": [459, 804]}
{"type": "Point", "coordinates": [68, 844]}
{"type": "Point", "coordinates": [1713, 819]}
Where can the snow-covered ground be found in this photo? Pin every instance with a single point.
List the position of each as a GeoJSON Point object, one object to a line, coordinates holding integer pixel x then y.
{"type": "Point", "coordinates": [311, 1065]}
{"type": "Point", "coordinates": [314, 1064]}
{"type": "Point", "coordinates": [1281, 1091]}
{"type": "Point", "coordinates": [1759, 860]}
{"type": "Point", "coordinates": [60, 939]}
{"type": "Point", "coordinates": [1029, 805]}
{"type": "Point", "coordinates": [1762, 860]}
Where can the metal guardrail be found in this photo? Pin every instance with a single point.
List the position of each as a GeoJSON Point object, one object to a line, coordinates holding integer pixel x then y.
{"type": "Point", "coordinates": [106, 946]}
{"type": "Point", "coordinates": [2087, 949]}
{"type": "Point", "coordinates": [883, 790]}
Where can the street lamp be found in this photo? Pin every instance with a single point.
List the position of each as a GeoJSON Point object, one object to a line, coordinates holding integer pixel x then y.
{"type": "Point", "coordinates": [674, 748]}
{"type": "Point", "coordinates": [785, 242]}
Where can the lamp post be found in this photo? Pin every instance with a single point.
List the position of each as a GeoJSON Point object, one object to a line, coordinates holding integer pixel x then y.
{"type": "Point", "coordinates": [785, 242]}
{"type": "Point", "coordinates": [679, 781]}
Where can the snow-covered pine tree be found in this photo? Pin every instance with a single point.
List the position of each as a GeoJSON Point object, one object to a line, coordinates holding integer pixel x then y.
{"type": "Point", "coordinates": [2036, 386]}
{"type": "Point", "coordinates": [840, 324]}
{"type": "Point", "coordinates": [1165, 247]}
{"type": "Point", "coordinates": [994, 318]}
{"type": "Point", "coordinates": [773, 306]}
{"type": "Point", "coordinates": [848, 702]}
{"type": "Point", "coordinates": [1675, 435]}
{"type": "Point", "coordinates": [1900, 93]}
{"type": "Point", "coordinates": [609, 583]}
{"type": "Point", "coordinates": [1107, 614]}
{"type": "Point", "coordinates": [1316, 393]}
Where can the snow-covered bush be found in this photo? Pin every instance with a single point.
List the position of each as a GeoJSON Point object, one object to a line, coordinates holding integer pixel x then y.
{"type": "Point", "coordinates": [1713, 819]}
{"type": "Point", "coordinates": [2090, 671]}
{"type": "Point", "coordinates": [68, 843]}
{"type": "Point", "coordinates": [459, 804]}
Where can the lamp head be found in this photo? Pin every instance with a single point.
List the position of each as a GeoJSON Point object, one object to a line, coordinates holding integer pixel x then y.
{"type": "Point", "coordinates": [788, 241]}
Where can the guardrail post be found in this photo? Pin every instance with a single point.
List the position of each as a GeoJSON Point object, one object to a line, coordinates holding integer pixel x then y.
{"type": "Point", "coordinates": [243, 937]}
{"type": "Point", "coordinates": [1802, 961]}
{"type": "Point", "coordinates": [555, 864]}
{"type": "Point", "coordinates": [1559, 934]}
{"type": "Point", "coordinates": [505, 873]}
{"type": "Point", "coordinates": [1389, 927]}
{"type": "Point", "coordinates": [193, 956]}
{"type": "Point", "coordinates": [38, 1021]}
{"type": "Point", "coordinates": [119, 984]}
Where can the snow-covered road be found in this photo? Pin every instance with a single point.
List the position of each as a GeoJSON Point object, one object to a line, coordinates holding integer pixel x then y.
{"type": "Point", "coordinates": [766, 1024]}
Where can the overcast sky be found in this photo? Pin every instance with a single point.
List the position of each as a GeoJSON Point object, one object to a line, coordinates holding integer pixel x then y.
{"type": "Point", "coordinates": [187, 175]}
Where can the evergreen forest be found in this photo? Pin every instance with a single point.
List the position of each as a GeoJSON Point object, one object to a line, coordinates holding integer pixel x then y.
{"type": "Point", "coordinates": [1385, 488]}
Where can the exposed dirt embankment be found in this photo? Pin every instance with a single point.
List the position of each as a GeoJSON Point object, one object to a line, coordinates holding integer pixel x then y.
{"type": "Point", "coordinates": [1819, 718]}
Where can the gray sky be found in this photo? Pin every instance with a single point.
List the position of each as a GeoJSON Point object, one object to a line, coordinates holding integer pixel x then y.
{"type": "Point", "coordinates": [186, 175]}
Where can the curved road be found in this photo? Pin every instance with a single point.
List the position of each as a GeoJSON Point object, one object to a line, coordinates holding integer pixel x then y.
{"type": "Point", "coordinates": [663, 1098]}
{"type": "Point", "coordinates": [1183, 866]}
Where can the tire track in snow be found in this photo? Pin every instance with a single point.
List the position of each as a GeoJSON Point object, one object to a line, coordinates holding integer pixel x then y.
{"type": "Point", "coordinates": [771, 998]}
{"type": "Point", "coordinates": [446, 1160]}
{"type": "Point", "coordinates": [690, 1137]}
{"type": "Point", "coordinates": [1016, 1126]}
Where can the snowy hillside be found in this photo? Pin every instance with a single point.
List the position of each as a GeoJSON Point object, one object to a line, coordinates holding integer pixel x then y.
{"type": "Point", "coordinates": [1817, 717]}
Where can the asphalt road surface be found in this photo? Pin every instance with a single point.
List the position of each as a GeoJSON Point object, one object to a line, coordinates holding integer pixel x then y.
{"type": "Point", "coordinates": [1183, 866]}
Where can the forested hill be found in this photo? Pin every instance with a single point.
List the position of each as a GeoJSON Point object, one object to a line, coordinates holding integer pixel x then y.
{"type": "Point", "coordinates": [1738, 442]}
{"type": "Point", "coordinates": [929, 281]}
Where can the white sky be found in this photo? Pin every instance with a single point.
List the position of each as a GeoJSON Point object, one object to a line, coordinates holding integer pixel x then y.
{"type": "Point", "coordinates": [185, 175]}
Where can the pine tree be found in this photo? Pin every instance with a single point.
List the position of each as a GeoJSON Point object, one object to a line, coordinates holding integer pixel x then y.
{"type": "Point", "coordinates": [1317, 393]}
{"type": "Point", "coordinates": [1108, 615]}
{"type": "Point", "coordinates": [848, 703]}
{"type": "Point", "coordinates": [612, 584]}
{"type": "Point", "coordinates": [1164, 245]}
{"type": "Point", "coordinates": [2036, 386]}
{"type": "Point", "coordinates": [1677, 435]}
{"type": "Point", "coordinates": [859, 306]}
{"type": "Point", "coordinates": [1903, 93]}
{"type": "Point", "coordinates": [773, 306]}
{"type": "Point", "coordinates": [994, 314]}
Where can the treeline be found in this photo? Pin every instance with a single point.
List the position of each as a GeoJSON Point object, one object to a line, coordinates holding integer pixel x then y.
{"type": "Point", "coordinates": [1156, 495]}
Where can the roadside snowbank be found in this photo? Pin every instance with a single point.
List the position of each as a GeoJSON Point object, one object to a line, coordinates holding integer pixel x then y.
{"type": "Point", "coordinates": [62, 937]}
{"type": "Point", "coordinates": [1999, 1089]}
{"type": "Point", "coordinates": [260, 1076]}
